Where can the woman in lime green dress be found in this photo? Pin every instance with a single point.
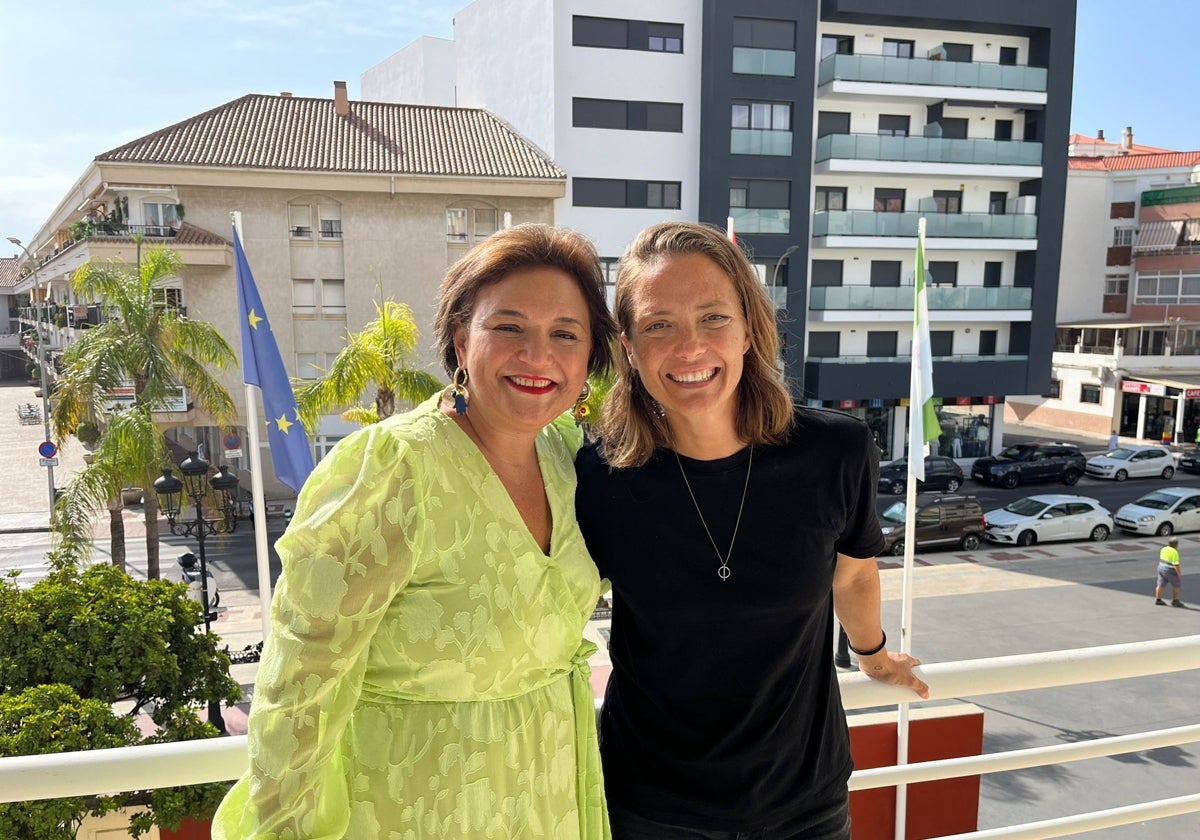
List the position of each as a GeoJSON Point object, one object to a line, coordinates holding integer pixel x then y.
{"type": "Point", "coordinates": [426, 674]}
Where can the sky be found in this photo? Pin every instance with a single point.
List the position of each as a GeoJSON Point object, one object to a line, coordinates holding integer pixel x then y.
{"type": "Point", "coordinates": [79, 78]}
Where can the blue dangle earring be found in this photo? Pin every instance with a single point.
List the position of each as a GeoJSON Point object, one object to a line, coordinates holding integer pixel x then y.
{"type": "Point", "coordinates": [581, 411]}
{"type": "Point", "coordinates": [458, 390]}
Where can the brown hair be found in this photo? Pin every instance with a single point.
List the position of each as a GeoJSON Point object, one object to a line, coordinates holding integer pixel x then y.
{"type": "Point", "coordinates": [633, 424]}
{"type": "Point", "coordinates": [524, 246]}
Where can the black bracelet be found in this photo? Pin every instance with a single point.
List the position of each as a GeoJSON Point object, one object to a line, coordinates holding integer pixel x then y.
{"type": "Point", "coordinates": [872, 651]}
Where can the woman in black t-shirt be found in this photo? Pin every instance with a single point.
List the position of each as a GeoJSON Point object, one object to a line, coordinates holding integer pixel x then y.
{"type": "Point", "coordinates": [731, 525]}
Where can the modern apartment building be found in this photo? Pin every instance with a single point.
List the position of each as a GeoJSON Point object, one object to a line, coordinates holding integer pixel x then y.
{"type": "Point", "coordinates": [343, 204]}
{"type": "Point", "coordinates": [825, 130]}
{"type": "Point", "coordinates": [1127, 349]}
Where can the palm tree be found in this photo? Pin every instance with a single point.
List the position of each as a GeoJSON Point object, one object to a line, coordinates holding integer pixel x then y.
{"type": "Point", "coordinates": [152, 347]}
{"type": "Point", "coordinates": [379, 353]}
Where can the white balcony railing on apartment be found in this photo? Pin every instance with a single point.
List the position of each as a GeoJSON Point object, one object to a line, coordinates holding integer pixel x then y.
{"type": "Point", "coordinates": [29, 778]}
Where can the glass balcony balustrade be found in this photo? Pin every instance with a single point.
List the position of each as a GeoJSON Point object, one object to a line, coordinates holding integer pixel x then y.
{"type": "Point", "coordinates": [760, 220]}
{"type": "Point", "coordinates": [757, 141]}
{"type": "Point", "coordinates": [863, 360]}
{"type": "Point", "coordinates": [752, 61]}
{"type": "Point", "coordinates": [928, 149]}
{"type": "Point", "coordinates": [924, 71]}
{"type": "Point", "coordinates": [949, 225]}
{"type": "Point", "coordinates": [901, 297]}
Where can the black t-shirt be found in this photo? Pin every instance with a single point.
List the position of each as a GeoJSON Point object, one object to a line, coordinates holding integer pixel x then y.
{"type": "Point", "coordinates": [723, 709]}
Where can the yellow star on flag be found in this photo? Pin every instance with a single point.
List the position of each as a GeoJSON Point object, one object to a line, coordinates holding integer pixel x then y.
{"type": "Point", "coordinates": [253, 319]}
{"type": "Point", "coordinates": [284, 424]}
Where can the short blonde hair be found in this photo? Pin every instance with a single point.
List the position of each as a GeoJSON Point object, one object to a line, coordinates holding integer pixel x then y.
{"type": "Point", "coordinates": [632, 423]}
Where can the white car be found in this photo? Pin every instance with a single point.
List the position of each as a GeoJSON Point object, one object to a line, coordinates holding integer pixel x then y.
{"type": "Point", "coordinates": [1162, 512]}
{"type": "Point", "coordinates": [1133, 462]}
{"type": "Point", "coordinates": [1054, 516]}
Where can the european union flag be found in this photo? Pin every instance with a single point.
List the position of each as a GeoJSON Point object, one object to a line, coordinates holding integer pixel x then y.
{"type": "Point", "coordinates": [263, 366]}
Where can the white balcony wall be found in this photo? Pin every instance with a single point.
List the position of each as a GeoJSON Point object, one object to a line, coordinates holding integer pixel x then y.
{"type": "Point", "coordinates": [853, 341]}
{"type": "Point", "coordinates": [860, 189]}
{"type": "Point", "coordinates": [422, 73]}
{"type": "Point", "coordinates": [869, 38]}
{"type": "Point", "coordinates": [864, 116]}
{"type": "Point", "coordinates": [856, 265]}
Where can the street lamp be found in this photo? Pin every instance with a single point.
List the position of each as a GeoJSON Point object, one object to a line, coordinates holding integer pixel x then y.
{"type": "Point", "coordinates": [775, 273]}
{"type": "Point", "coordinates": [42, 361]}
{"type": "Point", "coordinates": [169, 490]}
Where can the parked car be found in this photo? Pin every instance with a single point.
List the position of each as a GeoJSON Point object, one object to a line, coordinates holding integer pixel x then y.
{"type": "Point", "coordinates": [1026, 463]}
{"type": "Point", "coordinates": [940, 521]}
{"type": "Point", "coordinates": [1162, 512]}
{"type": "Point", "coordinates": [940, 474]}
{"type": "Point", "coordinates": [1191, 461]}
{"type": "Point", "coordinates": [1133, 462]}
{"type": "Point", "coordinates": [1054, 516]}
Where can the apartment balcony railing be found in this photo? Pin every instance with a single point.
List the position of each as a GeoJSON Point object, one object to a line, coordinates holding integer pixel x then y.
{"type": "Point", "coordinates": [32, 778]}
{"type": "Point", "coordinates": [864, 360]}
{"type": "Point", "coordinates": [928, 149]}
{"type": "Point", "coordinates": [762, 220]}
{"type": "Point", "coordinates": [924, 71]}
{"type": "Point", "coordinates": [901, 297]}
{"type": "Point", "coordinates": [951, 225]}
{"type": "Point", "coordinates": [149, 231]}
{"type": "Point", "coordinates": [758, 141]}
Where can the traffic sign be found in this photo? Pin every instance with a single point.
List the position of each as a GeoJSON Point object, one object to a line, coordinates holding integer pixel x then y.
{"type": "Point", "coordinates": [233, 441]}
{"type": "Point", "coordinates": [47, 449]}
{"type": "Point", "coordinates": [48, 462]}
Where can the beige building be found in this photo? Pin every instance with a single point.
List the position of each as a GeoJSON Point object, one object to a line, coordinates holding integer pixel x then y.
{"type": "Point", "coordinates": [343, 204]}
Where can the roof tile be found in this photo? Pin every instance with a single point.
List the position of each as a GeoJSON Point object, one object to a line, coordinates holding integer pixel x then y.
{"type": "Point", "coordinates": [1117, 163]}
{"type": "Point", "coordinates": [305, 134]}
{"type": "Point", "coordinates": [10, 272]}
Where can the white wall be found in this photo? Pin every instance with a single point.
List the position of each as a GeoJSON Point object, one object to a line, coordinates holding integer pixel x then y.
{"type": "Point", "coordinates": [422, 73]}
{"type": "Point", "coordinates": [868, 40]}
{"type": "Point", "coordinates": [860, 192]}
{"type": "Point", "coordinates": [1087, 233]}
{"type": "Point", "coordinates": [856, 263]}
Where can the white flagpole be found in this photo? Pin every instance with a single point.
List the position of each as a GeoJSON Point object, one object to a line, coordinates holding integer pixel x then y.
{"type": "Point", "coordinates": [258, 502]}
{"type": "Point", "coordinates": [915, 418]}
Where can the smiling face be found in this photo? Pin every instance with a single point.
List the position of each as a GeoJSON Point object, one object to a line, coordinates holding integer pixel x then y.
{"type": "Point", "coordinates": [525, 347]}
{"type": "Point", "coordinates": [687, 340]}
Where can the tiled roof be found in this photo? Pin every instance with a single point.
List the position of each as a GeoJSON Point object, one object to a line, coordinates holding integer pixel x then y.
{"type": "Point", "coordinates": [1136, 148]}
{"type": "Point", "coordinates": [189, 234]}
{"type": "Point", "coordinates": [1116, 163]}
{"type": "Point", "coordinates": [304, 134]}
{"type": "Point", "coordinates": [10, 272]}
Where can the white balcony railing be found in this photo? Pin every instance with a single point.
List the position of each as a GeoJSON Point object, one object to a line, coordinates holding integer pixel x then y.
{"type": "Point", "coordinates": [28, 778]}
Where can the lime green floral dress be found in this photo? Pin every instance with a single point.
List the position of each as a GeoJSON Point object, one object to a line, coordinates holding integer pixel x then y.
{"type": "Point", "coordinates": [426, 674]}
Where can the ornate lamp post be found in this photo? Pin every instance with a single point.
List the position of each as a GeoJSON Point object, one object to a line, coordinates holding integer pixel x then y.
{"type": "Point", "coordinates": [42, 361]}
{"type": "Point", "coordinates": [169, 489]}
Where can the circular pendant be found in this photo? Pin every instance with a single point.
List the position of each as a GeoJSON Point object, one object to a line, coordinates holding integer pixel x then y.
{"type": "Point", "coordinates": [723, 573]}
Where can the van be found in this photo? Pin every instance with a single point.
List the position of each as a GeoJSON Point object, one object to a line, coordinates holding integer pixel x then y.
{"type": "Point", "coordinates": [940, 521]}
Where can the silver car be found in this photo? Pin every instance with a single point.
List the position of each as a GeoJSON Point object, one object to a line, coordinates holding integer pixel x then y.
{"type": "Point", "coordinates": [1133, 462]}
{"type": "Point", "coordinates": [1053, 516]}
{"type": "Point", "coordinates": [1162, 512]}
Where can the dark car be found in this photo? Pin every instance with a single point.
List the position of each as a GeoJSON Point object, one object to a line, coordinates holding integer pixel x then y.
{"type": "Point", "coordinates": [940, 474]}
{"type": "Point", "coordinates": [940, 521]}
{"type": "Point", "coordinates": [1190, 462]}
{"type": "Point", "coordinates": [1027, 463]}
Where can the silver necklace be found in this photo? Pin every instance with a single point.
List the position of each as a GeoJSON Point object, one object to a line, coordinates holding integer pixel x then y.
{"type": "Point", "coordinates": [722, 570]}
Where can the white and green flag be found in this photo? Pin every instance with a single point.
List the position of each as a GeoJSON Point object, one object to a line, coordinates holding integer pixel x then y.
{"type": "Point", "coordinates": [923, 423]}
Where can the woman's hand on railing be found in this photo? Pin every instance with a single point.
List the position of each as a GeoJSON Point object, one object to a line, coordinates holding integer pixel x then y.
{"type": "Point", "coordinates": [894, 669]}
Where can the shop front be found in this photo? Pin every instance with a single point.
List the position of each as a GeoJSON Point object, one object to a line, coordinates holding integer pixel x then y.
{"type": "Point", "coordinates": [1164, 410]}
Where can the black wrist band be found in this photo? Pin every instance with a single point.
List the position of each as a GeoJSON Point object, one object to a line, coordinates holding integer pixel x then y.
{"type": "Point", "coordinates": [873, 650]}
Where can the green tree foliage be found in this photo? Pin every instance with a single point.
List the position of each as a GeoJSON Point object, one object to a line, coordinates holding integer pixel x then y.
{"type": "Point", "coordinates": [379, 353]}
{"type": "Point", "coordinates": [77, 648]}
{"type": "Point", "coordinates": [155, 348]}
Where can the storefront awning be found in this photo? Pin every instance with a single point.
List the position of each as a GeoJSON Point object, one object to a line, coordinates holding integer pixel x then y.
{"type": "Point", "coordinates": [1158, 236]}
{"type": "Point", "coordinates": [1183, 382]}
{"type": "Point", "coordinates": [1191, 230]}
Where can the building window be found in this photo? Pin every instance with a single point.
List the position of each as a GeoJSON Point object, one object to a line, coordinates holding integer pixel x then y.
{"type": "Point", "coordinates": [958, 52]}
{"type": "Point", "coordinates": [763, 116]}
{"type": "Point", "coordinates": [326, 298]}
{"type": "Point", "coordinates": [837, 45]}
{"type": "Point", "coordinates": [947, 201]}
{"type": "Point", "coordinates": [889, 200]}
{"type": "Point", "coordinates": [941, 343]}
{"type": "Point", "coordinates": [997, 203]}
{"type": "Point", "coordinates": [614, 192]}
{"type": "Point", "coordinates": [1055, 392]}
{"type": "Point", "coordinates": [620, 34]}
{"type": "Point", "coordinates": [331, 221]}
{"type": "Point", "coordinates": [897, 48]}
{"type": "Point", "coordinates": [943, 273]}
{"type": "Point", "coordinates": [1003, 130]}
{"type": "Point", "coordinates": [1116, 284]}
{"type": "Point", "coordinates": [987, 342]}
{"type": "Point", "coordinates": [1163, 287]}
{"type": "Point", "coordinates": [626, 115]}
{"type": "Point", "coordinates": [764, 47]}
{"type": "Point", "coordinates": [881, 345]}
{"type": "Point", "coordinates": [300, 221]}
{"type": "Point", "coordinates": [760, 206]}
{"type": "Point", "coordinates": [1089, 394]}
{"type": "Point", "coordinates": [894, 125]}
{"type": "Point", "coordinates": [829, 198]}
{"type": "Point", "coordinates": [168, 297]}
{"type": "Point", "coordinates": [833, 122]}
{"type": "Point", "coordinates": [159, 217]}
{"type": "Point", "coordinates": [885, 273]}
{"type": "Point", "coordinates": [1121, 210]}
{"type": "Point", "coordinates": [824, 345]}
{"type": "Point", "coordinates": [826, 273]}
{"type": "Point", "coordinates": [469, 225]}
{"type": "Point", "coordinates": [323, 445]}
{"type": "Point", "coordinates": [310, 366]}
{"type": "Point", "coordinates": [1008, 56]}
{"type": "Point", "coordinates": [992, 272]}
{"type": "Point", "coordinates": [1122, 237]}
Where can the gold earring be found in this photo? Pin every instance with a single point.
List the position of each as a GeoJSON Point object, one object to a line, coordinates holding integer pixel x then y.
{"type": "Point", "coordinates": [581, 411]}
{"type": "Point", "coordinates": [457, 390]}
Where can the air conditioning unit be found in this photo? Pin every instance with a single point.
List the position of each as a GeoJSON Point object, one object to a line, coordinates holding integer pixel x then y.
{"type": "Point", "coordinates": [1025, 204]}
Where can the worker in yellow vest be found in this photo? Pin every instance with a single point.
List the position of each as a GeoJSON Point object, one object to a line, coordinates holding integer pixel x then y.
{"type": "Point", "coordinates": [1169, 573]}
